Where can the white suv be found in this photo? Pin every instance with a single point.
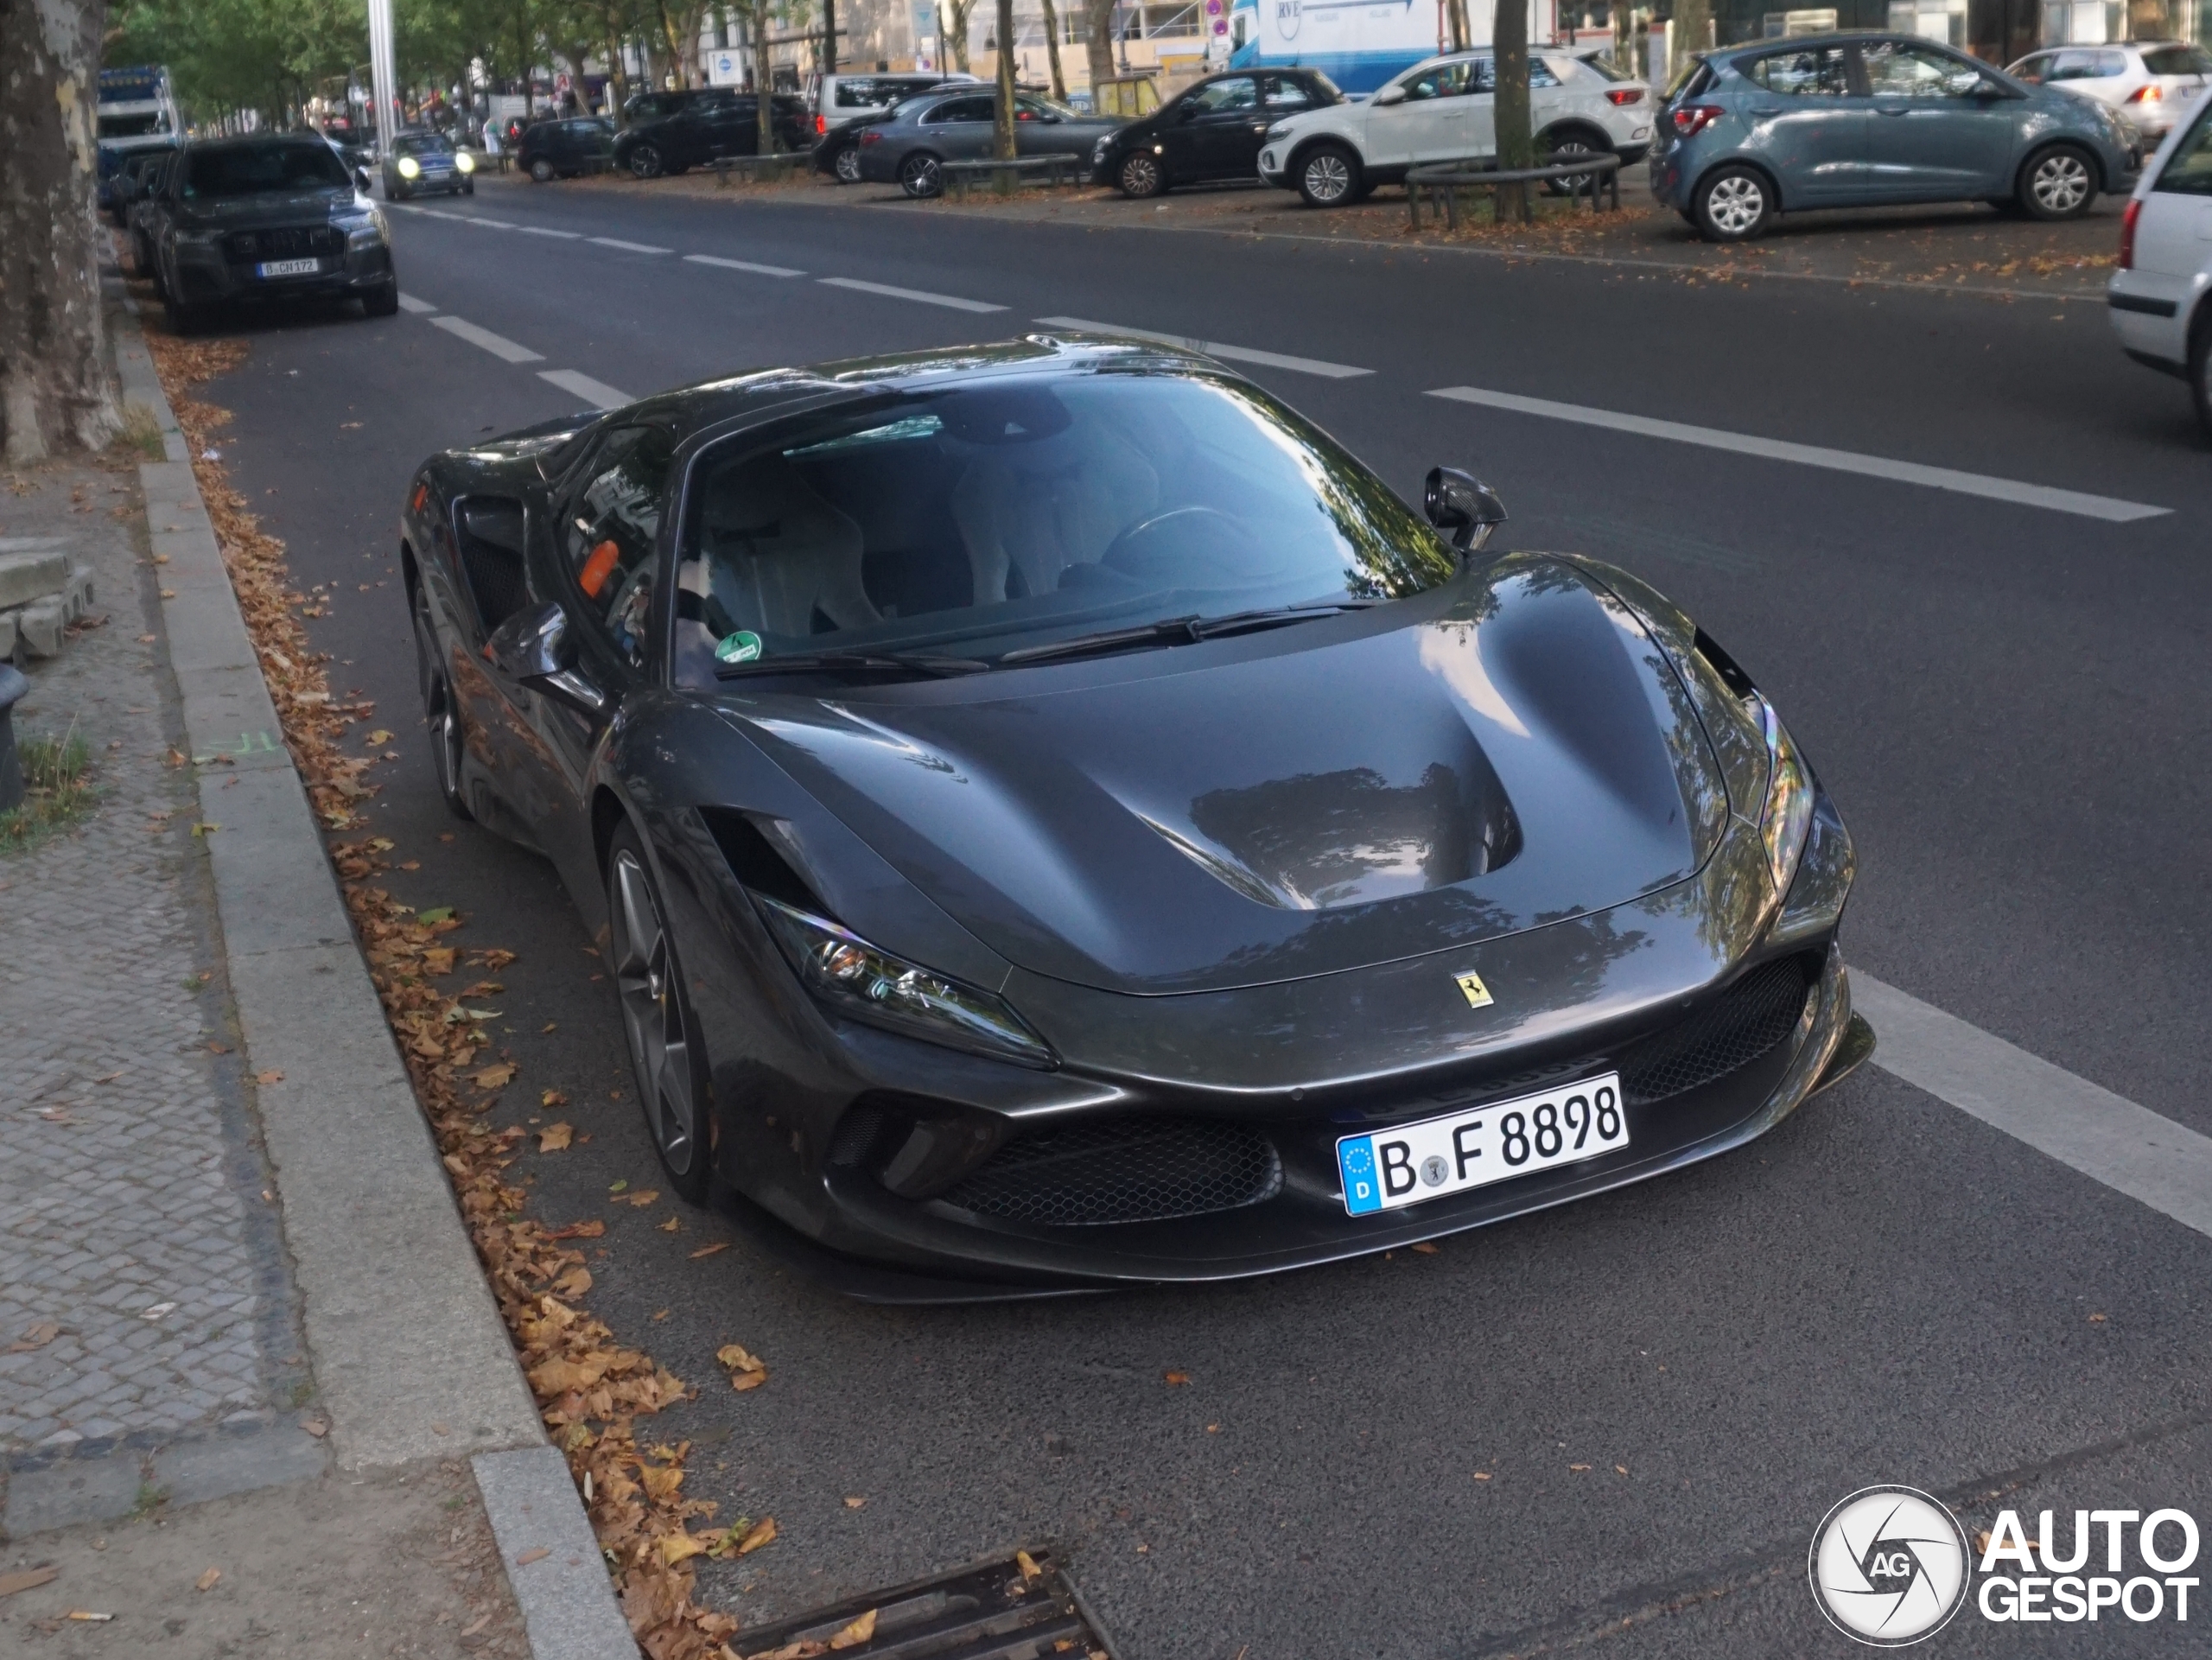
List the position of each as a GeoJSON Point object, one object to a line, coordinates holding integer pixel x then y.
{"type": "Point", "coordinates": [1442, 110]}
{"type": "Point", "coordinates": [2150, 82]}
{"type": "Point", "coordinates": [2159, 296]}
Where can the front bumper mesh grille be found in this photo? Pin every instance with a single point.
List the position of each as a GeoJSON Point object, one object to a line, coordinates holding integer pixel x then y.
{"type": "Point", "coordinates": [286, 242]}
{"type": "Point", "coordinates": [1122, 1170]}
{"type": "Point", "coordinates": [1759, 1011]}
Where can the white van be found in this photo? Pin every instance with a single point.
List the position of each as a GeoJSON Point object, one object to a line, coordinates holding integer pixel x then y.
{"type": "Point", "coordinates": [2157, 298]}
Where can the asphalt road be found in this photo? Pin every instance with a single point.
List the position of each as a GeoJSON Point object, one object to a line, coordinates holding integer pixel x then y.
{"type": "Point", "coordinates": [1622, 1420]}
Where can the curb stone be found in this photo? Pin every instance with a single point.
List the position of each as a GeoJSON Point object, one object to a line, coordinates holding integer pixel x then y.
{"type": "Point", "coordinates": [407, 1348]}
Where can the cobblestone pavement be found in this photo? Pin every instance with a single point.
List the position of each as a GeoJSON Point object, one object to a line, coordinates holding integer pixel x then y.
{"type": "Point", "coordinates": [132, 1208]}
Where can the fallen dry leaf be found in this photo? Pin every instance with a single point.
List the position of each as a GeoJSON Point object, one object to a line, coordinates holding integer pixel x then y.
{"type": "Point", "coordinates": [1175, 1377]}
{"type": "Point", "coordinates": [1481, 1475]}
{"type": "Point", "coordinates": [708, 1251]}
{"type": "Point", "coordinates": [1425, 1249]}
{"type": "Point", "coordinates": [860, 1630]}
{"type": "Point", "coordinates": [1578, 1466]}
{"type": "Point", "coordinates": [591, 1230]}
{"type": "Point", "coordinates": [37, 1338]}
{"type": "Point", "coordinates": [1028, 1564]}
{"type": "Point", "coordinates": [644, 1199]}
{"type": "Point", "coordinates": [24, 1578]}
{"type": "Point", "coordinates": [554, 1138]}
{"type": "Point", "coordinates": [495, 1077]}
{"type": "Point", "coordinates": [747, 1370]}
{"type": "Point", "coordinates": [380, 736]}
{"type": "Point", "coordinates": [2096, 1319]}
{"type": "Point", "coordinates": [534, 1554]}
{"type": "Point", "coordinates": [552, 1097]}
{"type": "Point", "coordinates": [317, 1427]}
{"type": "Point", "coordinates": [675, 1547]}
{"type": "Point", "coordinates": [207, 1581]}
{"type": "Point", "coordinates": [855, 1504]}
{"type": "Point", "coordinates": [272, 1077]}
{"type": "Point", "coordinates": [438, 960]}
{"type": "Point", "coordinates": [674, 1224]}
{"type": "Point", "coordinates": [762, 1532]}
{"type": "Point", "coordinates": [575, 1282]}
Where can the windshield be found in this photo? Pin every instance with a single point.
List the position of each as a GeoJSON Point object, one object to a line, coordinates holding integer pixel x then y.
{"type": "Point", "coordinates": [993, 517]}
{"type": "Point", "coordinates": [421, 143]}
{"type": "Point", "coordinates": [133, 126]}
{"type": "Point", "coordinates": [254, 169]}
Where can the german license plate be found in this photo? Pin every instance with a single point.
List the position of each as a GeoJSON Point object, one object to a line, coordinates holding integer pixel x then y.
{"type": "Point", "coordinates": [288, 268]}
{"type": "Point", "coordinates": [1388, 1168]}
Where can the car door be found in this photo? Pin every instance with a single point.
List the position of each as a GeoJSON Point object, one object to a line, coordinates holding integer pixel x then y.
{"type": "Point", "coordinates": [1216, 131]}
{"type": "Point", "coordinates": [1941, 131]}
{"type": "Point", "coordinates": [1431, 124]}
{"type": "Point", "coordinates": [1807, 122]}
{"type": "Point", "coordinates": [2173, 225]}
{"type": "Point", "coordinates": [960, 129]}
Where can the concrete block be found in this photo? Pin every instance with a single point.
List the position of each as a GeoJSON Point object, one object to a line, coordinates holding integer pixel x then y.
{"type": "Point", "coordinates": [554, 1565]}
{"type": "Point", "coordinates": [219, 1466]}
{"type": "Point", "coordinates": [70, 1490]}
{"type": "Point", "coordinates": [77, 592]}
{"type": "Point", "coordinates": [32, 575]}
{"type": "Point", "coordinates": [38, 627]}
{"type": "Point", "coordinates": [7, 635]}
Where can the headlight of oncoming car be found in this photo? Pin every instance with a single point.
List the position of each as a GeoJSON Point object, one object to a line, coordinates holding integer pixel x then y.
{"type": "Point", "coordinates": [464, 160]}
{"type": "Point", "coordinates": [409, 168]}
{"type": "Point", "coordinates": [868, 983]}
{"type": "Point", "coordinates": [1787, 814]}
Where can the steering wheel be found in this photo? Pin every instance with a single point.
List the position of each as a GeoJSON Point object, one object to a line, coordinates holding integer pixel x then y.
{"type": "Point", "coordinates": [1189, 520]}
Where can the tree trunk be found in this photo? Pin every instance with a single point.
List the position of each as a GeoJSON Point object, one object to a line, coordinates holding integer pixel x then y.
{"type": "Point", "coordinates": [1691, 35]}
{"type": "Point", "coordinates": [1456, 15]}
{"type": "Point", "coordinates": [55, 392]}
{"type": "Point", "coordinates": [1053, 50]}
{"type": "Point", "coordinates": [955, 14]}
{"type": "Point", "coordinates": [826, 60]}
{"type": "Point", "coordinates": [1002, 136]}
{"type": "Point", "coordinates": [1509, 40]}
{"type": "Point", "coordinates": [1098, 31]}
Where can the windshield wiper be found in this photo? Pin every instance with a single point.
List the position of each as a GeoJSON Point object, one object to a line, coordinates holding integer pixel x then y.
{"type": "Point", "coordinates": [805, 662]}
{"type": "Point", "coordinates": [1177, 631]}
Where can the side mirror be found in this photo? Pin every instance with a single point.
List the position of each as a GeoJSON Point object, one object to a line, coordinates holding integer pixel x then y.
{"type": "Point", "coordinates": [1464, 505]}
{"type": "Point", "coordinates": [533, 648]}
{"type": "Point", "coordinates": [1390, 95]}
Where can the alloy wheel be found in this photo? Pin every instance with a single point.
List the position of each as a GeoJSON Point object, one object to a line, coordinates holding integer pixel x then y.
{"type": "Point", "coordinates": [644, 162]}
{"type": "Point", "coordinates": [1327, 177]}
{"type": "Point", "coordinates": [848, 166]}
{"type": "Point", "coordinates": [2060, 183]}
{"type": "Point", "coordinates": [1572, 149]}
{"type": "Point", "coordinates": [1141, 176]}
{"type": "Point", "coordinates": [1735, 204]}
{"type": "Point", "coordinates": [652, 1014]}
{"type": "Point", "coordinates": [921, 176]}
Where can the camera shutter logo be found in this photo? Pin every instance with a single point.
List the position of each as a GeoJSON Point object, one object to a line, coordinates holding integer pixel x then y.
{"type": "Point", "coordinates": [1889, 1566]}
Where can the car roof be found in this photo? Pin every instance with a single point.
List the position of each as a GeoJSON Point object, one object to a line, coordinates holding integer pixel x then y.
{"type": "Point", "coordinates": [1840, 37]}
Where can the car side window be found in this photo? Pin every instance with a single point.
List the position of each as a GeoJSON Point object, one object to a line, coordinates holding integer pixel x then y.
{"type": "Point", "coordinates": [1895, 70]}
{"type": "Point", "coordinates": [960, 109]}
{"type": "Point", "coordinates": [1445, 80]}
{"type": "Point", "coordinates": [1284, 95]}
{"type": "Point", "coordinates": [1820, 71]}
{"type": "Point", "coordinates": [614, 523]}
{"type": "Point", "coordinates": [1227, 97]}
{"type": "Point", "coordinates": [1541, 74]}
{"type": "Point", "coordinates": [2178, 60]}
{"type": "Point", "coordinates": [2111, 65]}
{"type": "Point", "coordinates": [2034, 71]}
{"type": "Point", "coordinates": [2188, 171]}
{"type": "Point", "coordinates": [2072, 66]}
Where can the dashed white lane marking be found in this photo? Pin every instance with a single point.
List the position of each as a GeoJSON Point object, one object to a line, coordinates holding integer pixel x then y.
{"type": "Point", "coordinates": [1214, 349]}
{"type": "Point", "coordinates": [627, 247]}
{"type": "Point", "coordinates": [540, 230]}
{"type": "Point", "coordinates": [420, 307]}
{"type": "Point", "coordinates": [2106, 1137]}
{"type": "Point", "coordinates": [486, 220]}
{"type": "Point", "coordinates": [497, 345]}
{"type": "Point", "coordinates": [742, 264]}
{"type": "Point", "coordinates": [597, 394]}
{"type": "Point", "coordinates": [922, 295]}
{"type": "Point", "coordinates": [1839, 461]}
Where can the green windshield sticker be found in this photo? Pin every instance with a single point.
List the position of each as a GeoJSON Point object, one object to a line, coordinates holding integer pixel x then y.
{"type": "Point", "coordinates": [741, 647]}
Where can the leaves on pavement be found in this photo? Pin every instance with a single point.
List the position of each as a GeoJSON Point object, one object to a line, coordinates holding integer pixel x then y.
{"type": "Point", "coordinates": [747, 1370]}
{"type": "Point", "coordinates": [554, 1138]}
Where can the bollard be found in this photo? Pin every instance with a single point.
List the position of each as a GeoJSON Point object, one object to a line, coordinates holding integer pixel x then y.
{"type": "Point", "coordinates": [13, 686]}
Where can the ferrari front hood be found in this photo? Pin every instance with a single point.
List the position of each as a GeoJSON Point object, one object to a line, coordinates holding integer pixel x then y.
{"type": "Point", "coordinates": [1509, 750]}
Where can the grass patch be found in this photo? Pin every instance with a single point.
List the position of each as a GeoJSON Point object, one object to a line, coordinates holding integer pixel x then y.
{"type": "Point", "coordinates": [58, 789]}
{"type": "Point", "coordinates": [142, 431]}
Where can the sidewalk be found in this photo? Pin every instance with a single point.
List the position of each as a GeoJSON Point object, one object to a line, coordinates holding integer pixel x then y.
{"type": "Point", "coordinates": [254, 1397]}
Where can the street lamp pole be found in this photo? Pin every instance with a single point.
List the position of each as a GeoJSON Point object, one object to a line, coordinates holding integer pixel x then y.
{"type": "Point", "coordinates": [384, 74]}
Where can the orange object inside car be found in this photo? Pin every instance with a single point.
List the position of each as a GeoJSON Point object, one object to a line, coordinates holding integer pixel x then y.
{"type": "Point", "coordinates": [598, 569]}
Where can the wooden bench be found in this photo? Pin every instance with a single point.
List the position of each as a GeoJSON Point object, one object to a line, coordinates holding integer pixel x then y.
{"type": "Point", "coordinates": [1446, 180]}
{"type": "Point", "coordinates": [961, 177]}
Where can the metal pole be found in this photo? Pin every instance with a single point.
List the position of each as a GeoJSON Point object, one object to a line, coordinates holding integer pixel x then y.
{"type": "Point", "coordinates": [384, 73]}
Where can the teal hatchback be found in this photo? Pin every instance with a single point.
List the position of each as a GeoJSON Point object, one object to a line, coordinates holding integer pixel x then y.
{"type": "Point", "coordinates": [1876, 120]}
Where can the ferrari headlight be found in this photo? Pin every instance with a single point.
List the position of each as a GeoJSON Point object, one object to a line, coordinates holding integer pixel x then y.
{"type": "Point", "coordinates": [464, 160]}
{"type": "Point", "coordinates": [409, 168]}
{"type": "Point", "coordinates": [859, 980]}
{"type": "Point", "coordinates": [1788, 815]}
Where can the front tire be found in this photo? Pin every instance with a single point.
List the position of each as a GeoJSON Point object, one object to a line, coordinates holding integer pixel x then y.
{"type": "Point", "coordinates": [1328, 177]}
{"type": "Point", "coordinates": [1569, 147]}
{"type": "Point", "coordinates": [2057, 184]}
{"type": "Point", "coordinates": [1734, 204]}
{"type": "Point", "coordinates": [922, 177]}
{"type": "Point", "coordinates": [541, 171]}
{"type": "Point", "coordinates": [845, 166]}
{"type": "Point", "coordinates": [657, 1022]}
{"type": "Point", "coordinates": [1141, 176]}
{"type": "Point", "coordinates": [382, 302]}
{"type": "Point", "coordinates": [646, 162]}
{"type": "Point", "coordinates": [2200, 369]}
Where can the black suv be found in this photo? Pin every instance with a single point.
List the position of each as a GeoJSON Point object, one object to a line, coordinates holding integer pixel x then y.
{"type": "Point", "coordinates": [267, 218]}
{"type": "Point", "coordinates": [668, 132]}
{"type": "Point", "coordinates": [561, 150]}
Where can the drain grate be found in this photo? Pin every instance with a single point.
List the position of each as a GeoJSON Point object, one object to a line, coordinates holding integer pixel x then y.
{"type": "Point", "coordinates": [1018, 1607]}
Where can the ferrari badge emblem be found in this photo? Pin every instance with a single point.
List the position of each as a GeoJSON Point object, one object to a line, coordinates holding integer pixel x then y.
{"type": "Point", "coordinates": [1477, 994]}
